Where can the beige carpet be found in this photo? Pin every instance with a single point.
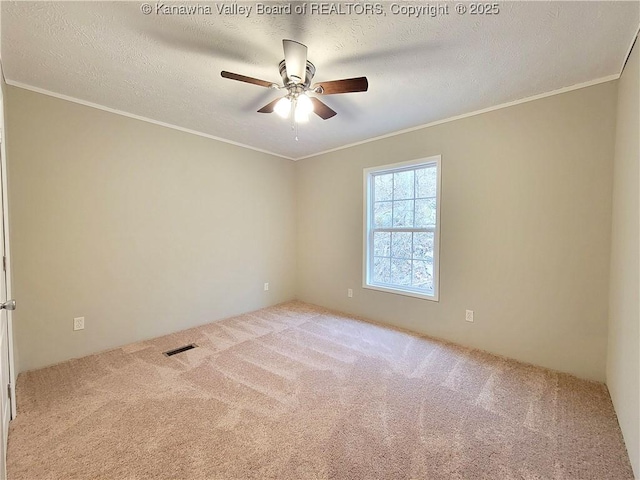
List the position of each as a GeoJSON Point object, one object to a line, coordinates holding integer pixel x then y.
{"type": "Point", "coordinates": [297, 392]}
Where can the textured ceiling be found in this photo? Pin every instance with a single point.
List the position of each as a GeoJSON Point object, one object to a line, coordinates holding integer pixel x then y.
{"type": "Point", "coordinates": [420, 70]}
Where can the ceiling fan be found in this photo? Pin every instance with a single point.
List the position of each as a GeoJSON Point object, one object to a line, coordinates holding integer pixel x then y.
{"type": "Point", "coordinates": [297, 72]}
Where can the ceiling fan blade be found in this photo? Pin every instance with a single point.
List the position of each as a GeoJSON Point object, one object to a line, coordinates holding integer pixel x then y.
{"type": "Point", "coordinates": [348, 85]}
{"type": "Point", "coordinates": [295, 58]}
{"type": "Point", "coordinates": [321, 109]}
{"type": "Point", "coordinates": [268, 108]}
{"type": "Point", "coordinates": [242, 78]}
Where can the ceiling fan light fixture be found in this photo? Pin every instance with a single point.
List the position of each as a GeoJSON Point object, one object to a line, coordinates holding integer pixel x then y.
{"type": "Point", "coordinates": [301, 117]}
{"type": "Point", "coordinates": [297, 72]}
{"type": "Point", "coordinates": [283, 107]}
{"type": "Point", "coordinates": [304, 105]}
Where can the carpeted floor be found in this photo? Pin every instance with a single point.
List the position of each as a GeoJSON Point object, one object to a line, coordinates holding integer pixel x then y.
{"type": "Point", "coordinates": [297, 392]}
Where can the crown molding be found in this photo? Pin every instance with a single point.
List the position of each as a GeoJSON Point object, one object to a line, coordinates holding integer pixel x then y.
{"type": "Point", "coordinates": [362, 142]}
{"type": "Point", "coordinates": [472, 114]}
{"type": "Point", "coordinates": [138, 117]}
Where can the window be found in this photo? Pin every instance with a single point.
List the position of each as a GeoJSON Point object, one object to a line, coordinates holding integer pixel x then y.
{"type": "Point", "coordinates": [402, 217]}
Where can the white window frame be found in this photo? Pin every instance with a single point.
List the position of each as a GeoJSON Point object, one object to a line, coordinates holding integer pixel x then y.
{"type": "Point", "coordinates": [367, 267]}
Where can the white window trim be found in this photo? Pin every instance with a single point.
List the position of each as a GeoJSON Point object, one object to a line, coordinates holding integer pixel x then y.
{"type": "Point", "coordinates": [368, 220]}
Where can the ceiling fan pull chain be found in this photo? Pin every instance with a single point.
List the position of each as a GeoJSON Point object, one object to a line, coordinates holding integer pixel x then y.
{"type": "Point", "coordinates": [294, 124]}
{"type": "Point", "coordinates": [292, 115]}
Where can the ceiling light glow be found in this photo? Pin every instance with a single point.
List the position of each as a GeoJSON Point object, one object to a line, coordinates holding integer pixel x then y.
{"type": "Point", "coordinates": [283, 107]}
{"type": "Point", "coordinates": [304, 105]}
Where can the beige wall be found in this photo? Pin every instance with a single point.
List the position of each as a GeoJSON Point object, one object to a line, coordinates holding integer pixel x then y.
{"type": "Point", "coordinates": [525, 236]}
{"type": "Point", "coordinates": [145, 230]}
{"type": "Point", "coordinates": [623, 359]}
{"type": "Point", "coordinates": [141, 229]}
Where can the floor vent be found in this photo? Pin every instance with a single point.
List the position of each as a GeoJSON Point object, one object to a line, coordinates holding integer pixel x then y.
{"type": "Point", "coordinates": [180, 350]}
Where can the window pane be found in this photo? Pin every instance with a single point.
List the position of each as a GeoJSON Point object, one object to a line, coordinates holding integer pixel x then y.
{"type": "Point", "coordinates": [400, 272]}
{"type": "Point", "coordinates": [425, 213]}
{"type": "Point", "coordinates": [423, 246]}
{"type": "Point", "coordinates": [422, 275]}
{"type": "Point", "coordinates": [401, 245]}
{"type": "Point", "coordinates": [381, 270]}
{"type": "Point", "coordinates": [382, 244]}
{"type": "Point", "coordinates": [403, 213]}
{"type": "Point", "coordinates": [383, 187]}
{"type": "Point", "coordinates": [426, 180]}
{"type": "Point", "coordinates": [382, 214]}
{"type": "Point", "coordinates": [403, 185]}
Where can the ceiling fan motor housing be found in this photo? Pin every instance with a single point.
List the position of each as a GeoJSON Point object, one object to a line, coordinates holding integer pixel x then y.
{"type": "Point", "coordinates": [310, 72]}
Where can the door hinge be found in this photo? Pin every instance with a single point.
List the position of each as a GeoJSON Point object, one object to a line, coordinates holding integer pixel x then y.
{"type": "Point", "coordinates": [9, 389]}
{"type": "Point", "coordinates": [4, 263]}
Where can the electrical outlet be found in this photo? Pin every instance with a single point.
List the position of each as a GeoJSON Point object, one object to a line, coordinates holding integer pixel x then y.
{"type": "Point", "coordinates": [78, 323]}
{"type": "Point", "coordinates": [469, 316]}
{"type": "Point", "coordinates": [266, 287]}
{"type": "Point", "coordinates": [349, 293]}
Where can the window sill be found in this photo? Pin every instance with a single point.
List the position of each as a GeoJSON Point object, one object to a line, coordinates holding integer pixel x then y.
{"type": "Point", "coordinates": [406, 293]}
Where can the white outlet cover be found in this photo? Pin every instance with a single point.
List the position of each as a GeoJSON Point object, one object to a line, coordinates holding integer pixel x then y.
{"type": "Point", "coordinates": [266, 287]}
{"type": "Point", "coordinates": [78, 323]}
{"type": "Point", "coordinates": [349, 293]}
{"type": "Point", "coordinates": [469, 316]}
